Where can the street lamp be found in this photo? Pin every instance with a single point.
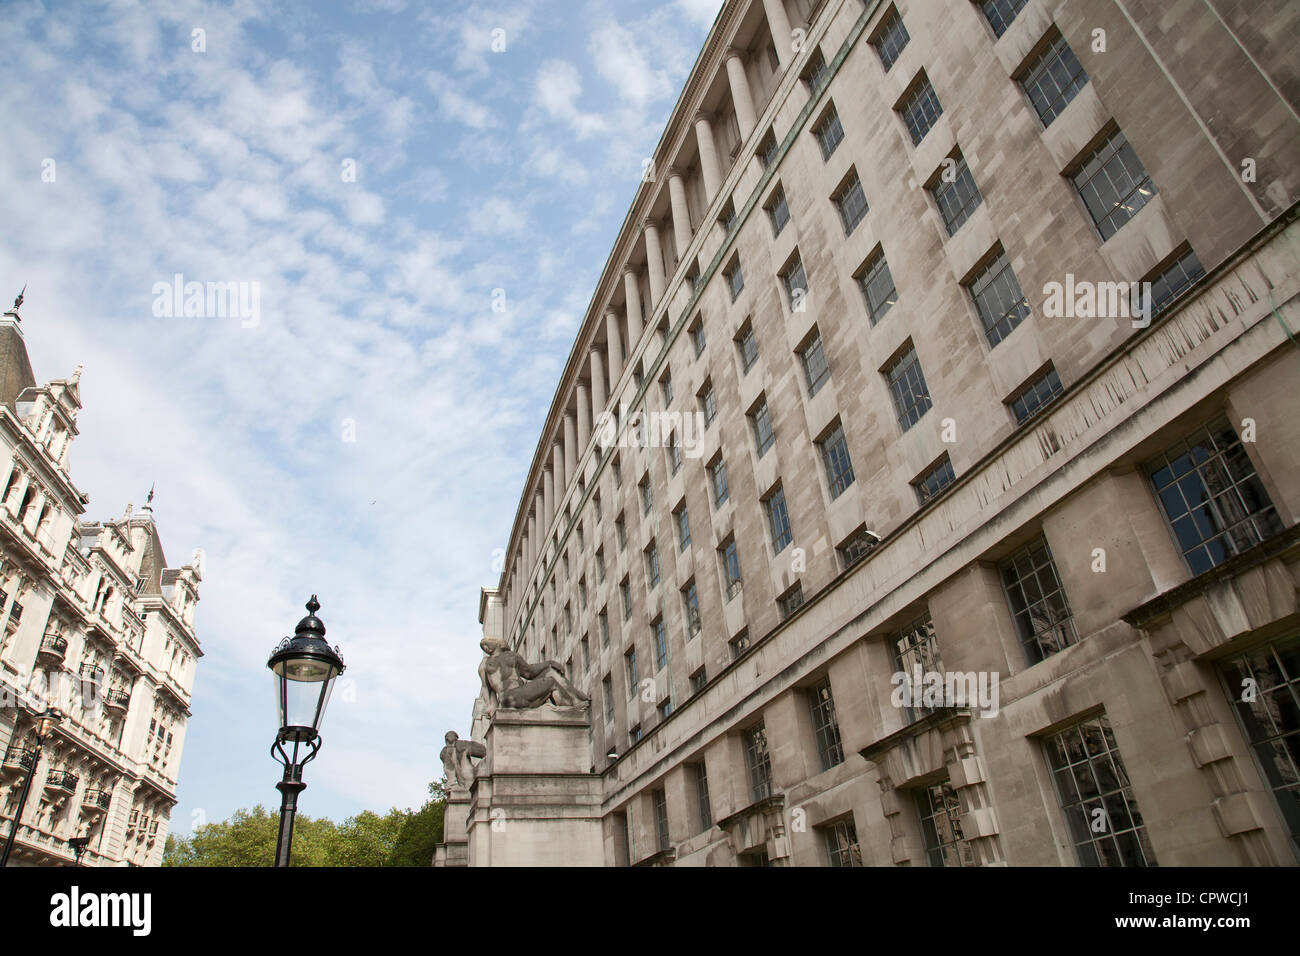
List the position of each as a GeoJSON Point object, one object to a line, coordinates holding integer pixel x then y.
{"type": "Point", "coordinates": [45, 722]}
{"type": "Point", "coordinates": [79, 844]}
{"type": "Point", "coordinates": [304, 667]}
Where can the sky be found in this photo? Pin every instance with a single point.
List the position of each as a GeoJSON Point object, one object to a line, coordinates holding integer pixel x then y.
{"type": "Point", "coordinates": [376, 175]}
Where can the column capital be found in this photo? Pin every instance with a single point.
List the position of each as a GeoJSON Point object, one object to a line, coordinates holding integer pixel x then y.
{"type": "Point", "coordinates": [595, 350]}
{"type": "Point", "coordinates": [704, 115]}
{"type": "Point", "coordinates": [676, 172]}
{"type": "Point", "coordinates": [735, 53]}
{"type": "Point", "coordinates": [649, 222]}
{"type": "Point", "coordinates": [629, 270]}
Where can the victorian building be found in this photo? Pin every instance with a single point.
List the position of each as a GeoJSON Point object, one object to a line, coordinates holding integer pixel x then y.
{"type": "Point", "coordinates": [94, 623]}
{"type": "Point", "coordinates": [966, 533]}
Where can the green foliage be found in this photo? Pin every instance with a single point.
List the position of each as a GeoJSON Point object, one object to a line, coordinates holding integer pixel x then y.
{"type": "Point", "coordinates": [397, 838]}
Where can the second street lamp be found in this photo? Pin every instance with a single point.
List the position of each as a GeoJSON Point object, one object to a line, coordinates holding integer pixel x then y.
{"type": "Point", "coordinates": [45, 722]}
{"type": "Point", "coordinates": [305, 667]}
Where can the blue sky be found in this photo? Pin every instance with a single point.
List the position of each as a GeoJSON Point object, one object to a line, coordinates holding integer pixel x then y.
{"type": "Point", "coordinates": [476, 170]}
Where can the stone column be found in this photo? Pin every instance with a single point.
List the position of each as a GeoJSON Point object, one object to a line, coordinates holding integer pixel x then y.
{"type": "Point", "coordinates": [708, 155]}
{"type": "Point", "coordinates": [599, 396]}
{"type": "Point", "coordinates": [654, 256]}
{"type": "Point", "coordinates": [779, 25]}
{"type": "Point", "coordinates": [632, 293]}
{"type": "Point", "coordinates": [561, 476]}
{"type": "Point", "coordinates": [535, 531]}
{"type": "Point", "coordinates": [741, 97]}
{"type": "Point", "coordinates": [584, 417]}
{"type": "Point", "coordinates": [548, 500]}
{"type": "Point", "coordinates": [571, 447]}
{"type": "Point", "coordinates": [615, 336]}
{"type": "Point", "coordinates": [681, 215]}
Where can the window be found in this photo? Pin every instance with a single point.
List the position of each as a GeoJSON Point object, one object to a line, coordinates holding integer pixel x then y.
{"type": "Point", "coordinates": [1211, 496]}
{"type": "Point", "coordinates": [1173, 281]}
{"type": "Point", "coordinates": [835, 456]}
{"type": "Point", "coordinates": [674, 454]}
{"type": "Point", "coordinates": [629, 668]}
{"type": "Point", "coordinates": [691, 603]}
{"type": "Point", "coordinates": [582, 594]}
{"type": "Point", "coordinates": [652, 565]}
{"type": "Point", "coordinates": [600, 565]}
{"type": "Point", "coordinates": [826, 730]}
{"type": "Point", "coordinates": [693, 278]}
{"type": "Point", "coordinates": [841, 840]}
{"type": "Point", "coordinates": [661, 643]}
{"type": "Point", "coordinates": [829, 133]}
{"type": "Point", "coordinates": [735, 279]}
{"type": "Point", "coordinates": [718, 482]}
{"type": "Point", "coordinates": [1113, 184]}
{"type": "Point", "coordinates": [796, 285]}
{"type": "Point", "coordinates": [666, 388]}
{"type": "Point", "coordinates": [815, 73]}
{"type": "Point", "coordinates": [701, 779]}
{"type": "Point", "coordinates": [683, 522]}
{"type": "Point", "coordinates": [934, 479]}
{"type": "Point", "coordinates": [647, 494]}
{"type": "Point", "coordinates": [778, 520]}
{"type": "Point", "coordinates": [604, 628]}
{"type": "Point", "coordinates": [728, 216]}
{"type": "Point", "coordinates": [634, 735]}
{"type": "Point", "coordinates": [920, 109]}
{"type": "Point", "coordinates": [586, 654]}
{"type": "Point", "coordinates": [659, 803]}
{"type": "Point", "coordinates": [767, 149]}
{"type": "Point", "coordinates": [877, 284]}
{"type": "Point", "coordinates": [1038, 604]}
{"type": "Point", "coordinates": [620, 531]}
{"type": "Point", "coordinates": [625, 591]}
{"type": "Point", "coordinates": [758, 762]}
{"type": "Point", "coordinates": [851, 202]}
{"type": "Point", "coordinates": [607, 688]}
{"type": "Point", "coordinates": [708, 405]}
{"type": "Point", "coordinates": [730, 568]}
{"type": "Point", "coordinates": [747, 347]}
{"type": "Point", "coordinates": [617, 471]}
{"type": "Point", "coordinates": [697, 337]}
{"type": "Point", "coordinates": [761, 420]}
{"type": "Point", "coordinates": [890, 39]}
{"type": "Point", "coordinates": [1000, 13]}
{"type": "Point", "coordinates": [1096, 796]}
{"type": "Point", "coordinates": [1270, 718]}
{"type": "Point", "coordinates": [907, 386]}
{"type": "Point", "coordinates": [940, 812]}
{"type": "Point", "coordinates": [637, 377]}
{"type": "Point", "coordinates": [1052, 79]}
{"type": "Point", "coordinates": [778, 212]}
{"type": "Point", "coordinates": [595, 507]}
{"type": "Point", "coordinates": [815, 369]}
{"type": "Point", "coordinates": [1035, 395]}
{"type": "Point", "coordinates": [956, 195]}
{"type": "Point", "coordinates": [915, 651]}
{"type": "Point", "coordinates": [998, 298]}
{"type": "Point", "coordinates": [740, 643]}
{"type": "Point", "coordinates": [856, 547]}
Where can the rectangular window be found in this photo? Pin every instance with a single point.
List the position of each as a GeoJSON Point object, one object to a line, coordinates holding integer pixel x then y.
{"type": "Point", "coordinates": [747, 347]}
{"type": "Point", "coordinates": [920, 110]}
{"type": "Point", "coordinates": [778, 520]}
{"type": "Point", "coordinates": [607, 687]}
{"type": "Point", "coordinates": [841, 839]}
{"type": "Point", "coordinates": [851, 203]}
{"type": "Point", "coordinates": [620, 531]}
{"type": "Point", "coordinates": [835, 456]}
{"type": "Point", "coordinates": [625, 590]}
{"type": "Point", "coordinates": [915, 648]}
{"type": "Point", "coordinates": [877, 284]}
{"type": "Point", "coordinates": [652, 565]}
{"type": "Point", "coordinates": [1211, 496]}
{"type": "Point", "coordinates": [761, 421]}
{"type": "Point", "coordinates": [728, 216]}
{"type": "Point", "coordinates": [815, 369]}
{"type": "Point", "coordinates": [730, 568]}
{"type": "Point", "coordinates": [1174, 281]}
{"type": "Point", "coordinates": [1053, 79]}
{"type": "Point", "coordinates": [758, 762]}
{"type": "Point", "coordinates": [934, 479]}
{"type": "Point", "coordinates": [604, 628]}
{"type": "Point", "coordinates": [666, 388]}
{"type": "Point", "coordinates": [998, 299]}
{"type": "Point", "coordinates": [826, 730]}
{"type": "Point", "coordinates": [659, 802]}
{"type": "Point", "coordinates": [718, 482]}
{"type": "Point", "coordinates": [829, 133]}
{"type": "Point", "coordinates": [858, 546]}
{"type": "Point", "coordinates": [629, 668]}
{"type": "Point", "coordinates": [683, 522]}
{"type": "Point", "coordinates": [778, 212]}
{"type": "Point", "coordinates": [890, 39]}
{"type": "Point", "coordinates": [701, 779]}
{"type": "Point", "coordinates": [674, 454]}
{"type": "Point", "coordinates": [796, 285]}
{"type": "Point", "coordinates": [1038, 605]}
{"type": "Point", "coordinates": [661, 643]}
{"type": "Point", "coordinates": [1113, 184]}
{"type": "Point", "coordinates": [735, 279]}
{"type": "Point", "coordinates": [1096, 796]}
{"type": "Point", "coordinates": [600, 565]}
{"type": "Point", "coordinates": [908, 388]}
{"type": "Point", "coordinates": [940, 812]}
{"type": "Point", "coordinates": [1000, 13]}
{"type": "Point", "coordinates": [767, 149]}
{"type": "Point", "coordinates": [616, 469]}
{"type": "Point", "coordinates": [691, 604]}
{"type": "Point", "coordinates": [698, 680]}
{"type": "Point", "coordinates": [740, 643]}
{"type": "Point", "coordinates": [815, 73]}
{"type": "Point", "coordinates": [582, 595]}
{"type": "Point", "coordinates": [708, 405]}
{"type": "Point", "coordinates": [586, 654]}
{"type": "Point", "coordinates": [1035, 395]}
{"type": "Point", "coordinates": [647, 495]}
{"type": "Point", "coordinates": [697, 337]}
{"type": "Point", "coordinates": [956, 195]}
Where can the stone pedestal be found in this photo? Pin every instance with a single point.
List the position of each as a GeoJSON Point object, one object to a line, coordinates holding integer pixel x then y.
{"type": "Point", "coordinates": [454, 848]}
{"type": "Point", "coordinates": [534, 801]}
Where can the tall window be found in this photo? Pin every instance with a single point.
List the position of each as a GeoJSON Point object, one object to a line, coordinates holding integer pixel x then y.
{"type": "Point", "coordinates": [727, 217]}
{"type": "Point", "coordinates": [629, 668]}
{"type": "Point", "coordinates": [835, 456]}
{"type": "Point", "coordinates": [1042, 614]}
{"type": "Point", "coordinates": [740, 643]}
{"type": "Point", "coordinates": [607, 688]}
{"type": "Point", "coordinates": [1174, 280]}
{"type": "Point", "coordinates": [735, 279]}
{"type": "Point", "coordinates": [778, 212]}
{"type": "Point", "coordinates": [851, 203]}
{"type": "Point", "coordinates": [708, 404]}
{"type": "Point", "coordinates": [998, 299]}
{"type": "Point", "coordinates": [1035, 395]}
{"type": "Point", "coordinates": [858, 545]}
{"type": "Point", "coordinates": [1113, 184]}
{"type": "Point", "coordinates": [625, 591]}
{"type": "Point", "coordinates": [916, 647]}
{"type": "Point", "coordinates": [767, 150]}
{"type": "Point", "coordinates": [1053, 79]}
{"type": "Point", "coordinates": [647, 495]}
{"type": "Point", "coordinates": [1000, 13]}
{"type": "Point", "coordinates": [934, 479]}
{"type": "Point", "coordinates": [699, 678]}
{"type": "Point", "coordinates": [1093, 786]}
{"type": "Point", "coordinates": [620, 531]}
{"type": "Point", "coordinates": [815, 369]}
{"type": "Point", "coordinates": [747, 347]}
{"type": "Point", "coordinates": [604, 628]}
{"type": "Point", "coordinates": [841, 839]}
{"type": "Point", "coordinates": [829, 133]}
{"type": "Point", "coordinates": [691, 603]}
{"type": "Point", "coordinates": [730, 568]}
{"type": "Point", "coordinates": [652, 565]}
{"type": "Point", "coordinates": [940, 812]}
{"type": "Point", "coordinates": [660, 635]}
{"type": "Point", "coordinates": [761, 421]}
{"type": "Point", "coordinates": [920, 110]}
{"type": "Point", "coordinates": [697, 337]}
{"type": "Point", "coordinates": [1212, 497]}
{"type": "Point", "coordinates": [826, 729]}
{"type": "Point", "coordinates": [956, 195]}
{"type": "Point", "coordinates": [586, 654]}
{"type": "Point", "coordinates": [701, 779]}
{"type": "Point", "coordinates": [890, 39]}
{"type": "Point", "coordinates": [718, 482]}
{"type": "Point", "coordinates": [674, 454]}
{"type": "Point", "coordinates": [758, 762]}
{"type": "Point", "coordinates": [877, 284]}
{"type": "Point", "coordinates": [778, 520]}
{"type": "Point", "coordinates": [908, 388]}
{"type": "Point", "coordinates": [796, 285]}
{"type": "Point", "coordinates": [683, 522]}
{"type": "Point", "coordinates": [815, 73]}
{"type": "Point", "coordinates": [790, 601]}
{"type": "Point", "coordinates": [666, 388]}
{"type": "Point", "coordinates": [659, 803]}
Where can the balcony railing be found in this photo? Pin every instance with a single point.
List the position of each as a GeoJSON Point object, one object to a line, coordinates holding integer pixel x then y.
{"type": "Point", "coordinates": [117, 699]}
{"type": "Point", "coordinates": [53, 647]}
{"type": "Point", "coordinates": [91, 673]}
{"type": "Point", "coordinates": [62, 780]}
{"type": "Point", "coordinates": [20, 758]}
{"type": "Point", "coordinates": [97, 799]}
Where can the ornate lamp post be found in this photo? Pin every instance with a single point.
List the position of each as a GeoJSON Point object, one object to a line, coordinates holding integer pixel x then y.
{"type": "Point", "coordinates": [45, 722]}
{"type": "Point", "coordinates": [305, 668]}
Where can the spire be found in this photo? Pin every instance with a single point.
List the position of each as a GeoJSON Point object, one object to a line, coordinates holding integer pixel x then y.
{"type": "Point", "coordinates": [18, 302]}
{"type": "Point", "coordinates": [148, 502]}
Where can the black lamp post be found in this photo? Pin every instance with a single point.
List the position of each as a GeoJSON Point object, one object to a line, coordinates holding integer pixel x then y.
{"type": "Point", "coordinates": [304, 667]}
{"type": "Point", "coordinates": [79, 845]}
{"type": "Point", "coordinates": [45, 722]}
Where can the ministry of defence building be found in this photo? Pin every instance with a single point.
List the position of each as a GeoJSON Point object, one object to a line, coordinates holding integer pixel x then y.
{"type": "Point", "coordinates": [94, 623]}
{"type": "Point", "coordinates": [955, 521]}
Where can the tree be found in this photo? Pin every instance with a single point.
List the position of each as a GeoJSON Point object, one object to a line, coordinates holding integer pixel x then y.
{"type": "Point", "coordinates": [422, 830]}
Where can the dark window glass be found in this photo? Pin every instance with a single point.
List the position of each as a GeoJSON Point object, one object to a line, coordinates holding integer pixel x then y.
{"type": "Point", "coordinates": [1113, 184]}
{"type": "Point", "coordinates": [1053, 79]}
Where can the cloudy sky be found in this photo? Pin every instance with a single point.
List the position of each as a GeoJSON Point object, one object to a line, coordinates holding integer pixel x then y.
{"type": "Point", "coordinates": [365, 435]}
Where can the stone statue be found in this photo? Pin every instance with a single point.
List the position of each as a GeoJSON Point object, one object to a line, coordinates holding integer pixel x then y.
{"type": "Point", "coordinates": [456, 759]}
{"type": "Point", "coordinates": [510, 681]}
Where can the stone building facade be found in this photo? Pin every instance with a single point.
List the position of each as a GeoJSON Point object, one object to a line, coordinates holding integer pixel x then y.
{"type": "Point", "coordinates": [988, 311]}
{"type": "Point", "coordinates": [94, 623]}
